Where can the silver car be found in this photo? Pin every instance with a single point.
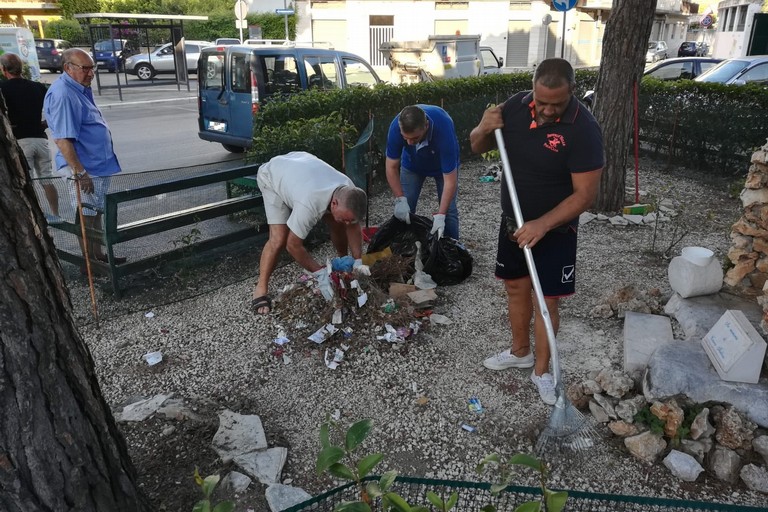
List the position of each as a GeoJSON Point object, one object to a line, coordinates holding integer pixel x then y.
{"type": "Point", "coordinates": [657, 50]}
{"type": "Point", "coordinates": [147, 65]}
{"type": "Point", "coordinates": [752, 69]}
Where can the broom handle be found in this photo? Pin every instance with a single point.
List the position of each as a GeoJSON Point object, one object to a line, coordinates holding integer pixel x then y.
{"type": "Point", "coordinates": [543, 310]}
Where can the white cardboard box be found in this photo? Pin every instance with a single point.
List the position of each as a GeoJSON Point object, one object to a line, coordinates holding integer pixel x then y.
{"type": "Point", "coordinates": [735, 348]}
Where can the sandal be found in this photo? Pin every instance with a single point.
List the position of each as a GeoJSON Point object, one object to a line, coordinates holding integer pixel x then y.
{"type": "Point", "coordinates": [265, 301]}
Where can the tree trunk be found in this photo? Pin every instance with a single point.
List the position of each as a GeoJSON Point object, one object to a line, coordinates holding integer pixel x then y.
{"type": "Point", "coordinates": [60, 448]}
{"type": "Point", "coordinates": [621, 65]}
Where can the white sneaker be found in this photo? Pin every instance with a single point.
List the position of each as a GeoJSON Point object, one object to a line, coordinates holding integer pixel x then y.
{"type": "Point", "coordinates": [506, 359]}
{"type": "Point", "coordinates": [546, 386]}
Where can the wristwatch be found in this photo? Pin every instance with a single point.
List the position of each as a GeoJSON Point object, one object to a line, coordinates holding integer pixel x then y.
{"type": "Point", "coordinates": [81, 173]}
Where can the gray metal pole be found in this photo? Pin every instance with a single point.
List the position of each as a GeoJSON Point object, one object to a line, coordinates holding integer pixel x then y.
{"type": "Point", "coordinates": [285, 17]}
{"type": "Point", "coordinates": [562, 43]}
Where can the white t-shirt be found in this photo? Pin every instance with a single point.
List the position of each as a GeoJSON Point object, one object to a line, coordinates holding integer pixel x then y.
{"type": "Point", "coordinates": [305, 184]}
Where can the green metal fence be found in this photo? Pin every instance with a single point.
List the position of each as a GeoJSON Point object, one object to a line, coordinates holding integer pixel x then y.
{"type": "Point", "coordinates": [473, 496]}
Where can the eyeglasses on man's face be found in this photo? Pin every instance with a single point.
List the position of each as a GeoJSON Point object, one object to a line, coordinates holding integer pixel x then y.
{"type": "Point", "coordinates": [84, 68]}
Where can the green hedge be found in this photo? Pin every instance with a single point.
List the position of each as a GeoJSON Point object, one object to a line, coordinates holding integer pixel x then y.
{"type": "Point", "coordinates": [708, 126]}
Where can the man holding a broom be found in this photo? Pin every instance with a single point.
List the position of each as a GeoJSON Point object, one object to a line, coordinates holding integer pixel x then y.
{"type": "Point", "coordinates": [556, 150]}
{"type": "Point", "coordinates": [85, 156]}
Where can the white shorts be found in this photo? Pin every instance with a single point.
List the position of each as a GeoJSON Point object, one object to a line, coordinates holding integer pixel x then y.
{"type": "Point", "coordinates": [277, 211]}
{"type": "Point", "coordinates": [38, 157]}
{"type": "Point", "coordinates": [93, 203]}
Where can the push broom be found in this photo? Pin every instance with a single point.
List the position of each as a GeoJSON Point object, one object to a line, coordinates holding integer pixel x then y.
{"type": "Point", "coordinates": [567, 429]}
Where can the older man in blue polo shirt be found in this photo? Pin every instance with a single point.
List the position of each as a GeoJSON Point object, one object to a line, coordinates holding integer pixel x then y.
{"type": "Point", "coordinates": [555, 148]}
{"type": "Point", "coordinates": [85, 153]}
{"type": "Point", "coordinates": [421, 144]}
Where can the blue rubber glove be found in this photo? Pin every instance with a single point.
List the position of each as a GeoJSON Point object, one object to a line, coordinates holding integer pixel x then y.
{"type": "Point", "coordinates": [402, 210]}
{"type": "Point", "coordinates": [438, 225]}
{"type": "Point", "coordinates": [324, 283]}
{"type": "Point", "coordinates": [342, 263]}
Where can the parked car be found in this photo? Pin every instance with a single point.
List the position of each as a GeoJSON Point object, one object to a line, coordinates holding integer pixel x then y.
{"type": "Point", "coordinates": [657, 50]}
{"type": "Point", "coordinates": [234, 81]}
{"type": "Point", "coordinates": [739, 71]}
{"type": "Point", "coordinates": [226, 40]}
{"type": "Point", "coordinates": [161, 60]}
{"type": "Point", "coordinates": [49, 53]}
{"type": "Point", "coordinates": [680, 68]}
{"type": "Point", "coordinates": [688, 49]}
{"type": "Point", "coordinates": [111, 53]}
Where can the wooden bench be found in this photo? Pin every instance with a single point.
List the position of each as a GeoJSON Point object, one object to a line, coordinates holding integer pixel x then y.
{"type": "Point", "coordinates": [150, 212]}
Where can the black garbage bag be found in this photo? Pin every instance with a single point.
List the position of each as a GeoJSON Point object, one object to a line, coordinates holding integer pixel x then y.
{"type": "Point", "coordinates": [402, 237]}
{"type": "Point", "coordinates": [448, 261]}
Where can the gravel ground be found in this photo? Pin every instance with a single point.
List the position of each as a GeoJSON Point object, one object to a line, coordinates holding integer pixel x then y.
{"type": "Point", "coordinates": [217, 354]}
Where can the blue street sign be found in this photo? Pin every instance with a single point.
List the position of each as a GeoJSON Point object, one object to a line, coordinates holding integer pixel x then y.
{"type": "Point", "coordinates": [286, 12]}
{"type": "Point", "coordinates": [564, 5]}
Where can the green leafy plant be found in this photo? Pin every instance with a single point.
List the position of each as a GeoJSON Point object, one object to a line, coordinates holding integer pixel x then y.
{"type": "Point", "coordinates": [645, 417]}
{"type": "Point", "coordinates": [330, 460]}
{"type": "Point", "coordinates": [551, 501]}
{"type": "Point", "coordinates": [207, 486]}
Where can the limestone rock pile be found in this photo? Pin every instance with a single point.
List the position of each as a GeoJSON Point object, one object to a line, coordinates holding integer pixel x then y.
{"type": "Point", "coordinates": [690, 439]}
{"type": "Point", "coordinates": [749, 235]}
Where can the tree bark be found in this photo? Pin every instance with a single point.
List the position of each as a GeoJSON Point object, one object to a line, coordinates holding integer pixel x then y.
{"type": "Point", "coordinates": [621, 65]}
{"type": "Point", "coordinates": [60, 448]}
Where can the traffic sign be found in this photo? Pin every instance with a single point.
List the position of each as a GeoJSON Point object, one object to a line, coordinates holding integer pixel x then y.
{"type": "Point", "coordinates": [285, 12]}
{"type": "Point", "coordinates": [706, 21]}
{"type": "Point", "coordinates": [564, 5]}
{"type": "Point", "coordinates": [241, 9]}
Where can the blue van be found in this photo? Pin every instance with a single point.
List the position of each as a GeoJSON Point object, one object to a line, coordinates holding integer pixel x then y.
{"type": "Point", "coordinates": [234, 81]}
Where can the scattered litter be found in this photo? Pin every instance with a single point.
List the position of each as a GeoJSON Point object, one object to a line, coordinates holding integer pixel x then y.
{"type": "Point", "coordinates": [362, 299]}
{"type": "Point", "coordinates": [344, 347]}
{"type": "Point", "coordinates": [422, 296]}
{"type": "Point", "coordinates": [475, 405]}
{"type": "Point", "coordinates": [414, 387]}
{"type": "Point", "coordinates": [323, 333]}
{"type": "Point", "coordinates": [420, 278]}
{"type": "Point", "coordinates": [338, 357]}
{"type": "Point", "coordinates": [399, 290]}
{"type": "Point", "coordinates": [391, 335]}
{"type": "Point", "coordinates": [164, 331]}
{"type": "Point", "coordinates": [346, 332]}
{"type": "Point", "coordinates": [336, 317]}
{"type": "Point", "coordinates": [487, 179]}
{"type": "Point", "coordinates": [468, 428]}
{"type": "Point", "coordinates": [403, 332]}
{"type": "Point", "coordinates": [152, 358]}
{"type": "Point", "coordinates": [422, 400]}
{"type": "Point", "coordinates": [389, 306]}
{"type": "Point", "coordinates": [301, 324]}
{"type": "Point", "coordinates": [336, 415]}
{"type": "Point", "coordinates": [436, 318]}
{"type": "Point", "coordinates": [286, 359]}
{"type": "Point", "coordinates": [281, 339]}
{"type": "Point", "coordinates": [149, 314]}
{"type": "Point", "coordinates": [371, 258]}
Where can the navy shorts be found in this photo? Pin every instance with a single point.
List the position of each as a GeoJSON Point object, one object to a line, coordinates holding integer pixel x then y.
{"type": "Point", "coordinates": [554, 255]}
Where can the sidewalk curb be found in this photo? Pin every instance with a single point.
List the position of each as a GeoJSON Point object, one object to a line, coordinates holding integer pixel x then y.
{"type": "Point", "coordinates": [143, 102]}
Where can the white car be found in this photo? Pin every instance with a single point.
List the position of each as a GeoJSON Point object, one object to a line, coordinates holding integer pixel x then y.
{"type": "Point", "coordinates": [147, 65]}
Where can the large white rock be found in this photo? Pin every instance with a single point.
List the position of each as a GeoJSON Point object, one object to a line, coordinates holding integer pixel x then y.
{"type": "Point", "coordinates": [691, 280]}
{"type": "Point", "coordinates": [265, 466]}
{"type": "Point", "coordinates": [143, 409]}
{"type": "Point", "coordinates": [683, 466]}
{"type": "Point", "coordinates": [280, 497]}
{"type": "Point", "coordinates": [682, 367]}
{"type": "Point", "coordinates": [238, 434]}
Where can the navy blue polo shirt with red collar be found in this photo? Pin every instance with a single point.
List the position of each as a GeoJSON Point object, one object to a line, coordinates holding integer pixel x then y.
{"type": "Point", "coordinates": [543, 157]}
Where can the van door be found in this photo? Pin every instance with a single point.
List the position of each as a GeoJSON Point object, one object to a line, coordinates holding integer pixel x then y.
{"type": "Point", "coordinates": [213, 111]}
{"type": "Point", "coordinates": [241, 108]}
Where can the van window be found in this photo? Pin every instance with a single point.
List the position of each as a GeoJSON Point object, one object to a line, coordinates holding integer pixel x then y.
{"type": "Point", "coordinates": [241, 73]}
{"type": "Point", "coordinates": [281, 72]}
{"type": "Point", "coordinates": [212, 78]}
{"type": "Point", "coordinates": [322, 72]}
{"type": "Point", "coordinates": [357, 74]}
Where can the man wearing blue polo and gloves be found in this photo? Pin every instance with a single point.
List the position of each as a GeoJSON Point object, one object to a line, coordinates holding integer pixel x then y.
{"type": "Point", "coordinates": [421, 144]}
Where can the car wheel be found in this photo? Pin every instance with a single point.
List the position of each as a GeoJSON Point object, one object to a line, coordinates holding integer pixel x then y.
{"type": "Point", "coordinates": [144, 71]}
{"type": "Point", "coordinates": [233, 149]}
